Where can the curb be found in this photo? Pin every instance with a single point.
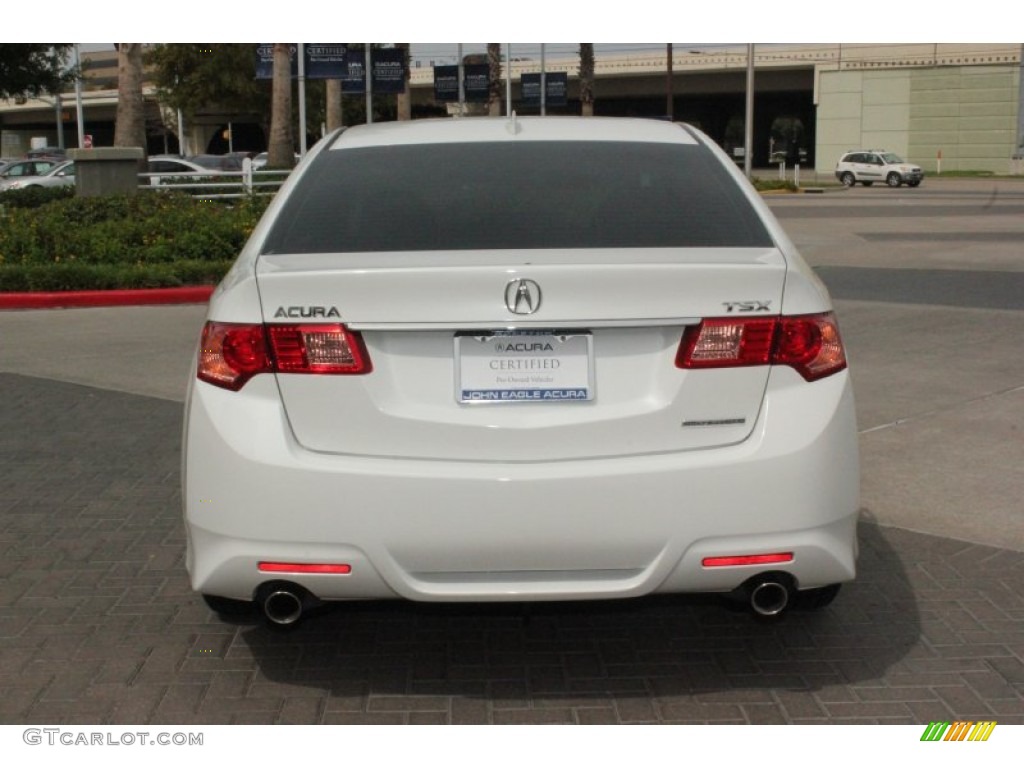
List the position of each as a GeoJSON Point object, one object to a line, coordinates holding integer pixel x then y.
{"type": "Point", "coordinates": [198, 294]}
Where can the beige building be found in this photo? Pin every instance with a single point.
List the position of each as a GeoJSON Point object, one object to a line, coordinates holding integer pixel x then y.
{"type": "Point", "coordinates": [953, 107]}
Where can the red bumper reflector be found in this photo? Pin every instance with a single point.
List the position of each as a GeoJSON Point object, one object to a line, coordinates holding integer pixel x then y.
{"type": "Point", "coordinates": [718, 562]}
{"type": "Point", "coordinates": [336, 568]}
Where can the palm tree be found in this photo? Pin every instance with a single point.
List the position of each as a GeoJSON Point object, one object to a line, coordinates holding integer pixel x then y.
{"type": "Point", "coordinates": [281, 150]}
{"type": "Point", "coordinates": [494, 78]}
{"type": "Point", "coordinates": [130, 126]}
{"type": "Point", "coordinates": [335, 111]}
{"type": "Point", "coordinates": [587, 79]}
{"type": "Point", "coordinates": [404, 105]}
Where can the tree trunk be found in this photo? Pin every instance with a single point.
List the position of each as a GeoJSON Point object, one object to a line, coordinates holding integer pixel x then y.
{"type": "Point", "coordinates": [281, 152]}
{"type": "Point", "coordinates": [404, 105]}
{"type": "Point", "coordinates": [494, 78]}
{"type": "Point", "coordinates": [587, 79]}
{"type": "Point", "coordinates": [130, 127]}
{"type": "Point", "coordinates": [335, 113]}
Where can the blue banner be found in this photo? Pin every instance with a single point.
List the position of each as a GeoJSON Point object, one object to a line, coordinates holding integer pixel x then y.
{"type": "Point", "coordinates": [388, 71]}
{"type": "Point", "coordinates": [446, 83]}
{"type": "Point", "coordinates": [556, 87]}
{"type": "Point", "coordinates": [265, 61]}
{"type": "Point", "coordinates": [478, 82]}
{"type": "Point", "coordinates": [326, 61]}
{"type": "Point", "coordinates": [334, 61]}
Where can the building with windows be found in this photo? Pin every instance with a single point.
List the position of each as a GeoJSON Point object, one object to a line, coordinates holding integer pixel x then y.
{"type": "Point", "coordinates": [954, 106]}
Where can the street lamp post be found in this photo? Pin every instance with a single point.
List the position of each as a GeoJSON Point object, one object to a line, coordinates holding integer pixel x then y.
{"type": "Point", "coordinates": [78, 98]}
{"type": "Point", "coordinates": [669, 105]}
{"type": "Point", "coordinates": [1019, 155]}
{"type": "Point", "coordinates": [748, 126]}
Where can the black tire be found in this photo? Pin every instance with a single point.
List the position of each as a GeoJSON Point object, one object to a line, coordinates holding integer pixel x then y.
{"type": "Point", "coordinates": [893, 179]}
{"type": "Point", "coordinates": [848, 179]}
{"type": "Point", "coordinates": [226, 606]}
{"type": "Point", "coordinates": [913, 183]}
{"type": "Point", "coordinates": [816, 599]}
{"type": "Point", "coordinates": [867, 183]}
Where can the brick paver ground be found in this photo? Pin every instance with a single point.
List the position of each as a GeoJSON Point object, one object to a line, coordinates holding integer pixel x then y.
{"type": "Point", "coordinates": [98, 624]}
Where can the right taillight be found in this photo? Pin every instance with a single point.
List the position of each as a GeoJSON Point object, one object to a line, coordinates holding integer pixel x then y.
{"type": "Point", "coordinates": [808, 343]}
{"type": "Point", "coordinates": [232, 353]}
{"type": "Point", "coordinates": [811, 344]}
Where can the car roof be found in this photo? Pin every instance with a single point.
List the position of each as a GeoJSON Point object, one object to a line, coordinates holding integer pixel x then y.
{"type": "Point", "coordinates": [490, 129]}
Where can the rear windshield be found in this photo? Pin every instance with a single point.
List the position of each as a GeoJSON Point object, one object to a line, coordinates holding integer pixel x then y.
{"type": "Point", "coordinates": [515, 195]}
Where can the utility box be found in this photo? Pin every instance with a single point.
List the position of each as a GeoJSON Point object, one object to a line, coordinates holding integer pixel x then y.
{"type": "Point", "coordinates": [107, 170]}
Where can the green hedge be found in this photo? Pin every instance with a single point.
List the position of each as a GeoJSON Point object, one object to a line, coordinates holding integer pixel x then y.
{"type": "Point", "coordinates": [153, 239]}
{"type": "Point", "coordinates": [773, 185]}
{"type": "Point", "coordinates": [33, 197]}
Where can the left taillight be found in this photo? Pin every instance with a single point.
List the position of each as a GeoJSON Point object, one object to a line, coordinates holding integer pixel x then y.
{"type": "Point", "coordinates": [808, 343]}
{"type": "Point", "coordinates": [232, 353]}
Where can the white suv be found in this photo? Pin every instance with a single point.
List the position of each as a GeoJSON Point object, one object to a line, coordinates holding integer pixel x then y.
{"type": "Point", "coordinates": [533, 359]}
{"type": "Point", "coordinates": [866, 166]}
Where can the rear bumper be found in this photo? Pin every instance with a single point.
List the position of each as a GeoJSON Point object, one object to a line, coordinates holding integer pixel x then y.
{"type": "Point", "coordinates": [482, 531]}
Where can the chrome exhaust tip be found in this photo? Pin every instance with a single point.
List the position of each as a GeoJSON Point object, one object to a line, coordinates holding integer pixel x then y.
{"type": "Point", "coordinates": [769, 598]}
{"type": "Point", "coordinates": [283, 603]}
{"type": "Point", "coordinates": [282, 607]}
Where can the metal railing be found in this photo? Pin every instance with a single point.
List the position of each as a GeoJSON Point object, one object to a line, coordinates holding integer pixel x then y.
{"type": "Point", "coordinates": [217, 184]}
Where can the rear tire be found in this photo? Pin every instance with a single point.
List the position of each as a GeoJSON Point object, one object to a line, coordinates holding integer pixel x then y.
{"type": "Point", "coordinates": [848, 179]}
{"type": "Point", "coordinates": [893, 179]}
{"type": "Point", "coordinates": [816, 599]}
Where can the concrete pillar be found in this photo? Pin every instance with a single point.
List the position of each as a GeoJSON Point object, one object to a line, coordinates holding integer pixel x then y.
{"type": "Point", "coordinates": [106, 170]}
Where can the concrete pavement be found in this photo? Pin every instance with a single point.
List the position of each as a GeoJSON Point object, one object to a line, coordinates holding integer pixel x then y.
{"type": "Point", "coordinates": [97, 623]}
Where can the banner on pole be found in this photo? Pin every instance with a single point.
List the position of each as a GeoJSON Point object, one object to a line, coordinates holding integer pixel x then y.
{"type": "Point", "coordinates": [477, 80]}
{"type": "Point", "coordinates": [265, 61]}
{"type": "Point", "coordinates": [446, 83]}
{"type": "Point", "coordinates": [335, 61]}
{"type": "Point", "coordinates": [556, 87]}
{"type": "Point", "coordinates": [325, 61]}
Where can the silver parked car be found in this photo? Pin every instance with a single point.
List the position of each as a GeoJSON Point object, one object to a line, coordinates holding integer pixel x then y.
{"type": "Point", "coordinates": [526, 359]}
{"type": "Point", "coordinates": [18, 169]}
{"type": "Point", "coordinates": [60, 175]}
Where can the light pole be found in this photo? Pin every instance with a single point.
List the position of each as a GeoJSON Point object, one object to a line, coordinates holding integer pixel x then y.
{"type": "Point", "coordinates": [1020, 110]}
{"type": "Point", "coordinates": [748, 123]}
{"type": "Point", "coordinates": [302, 99]}
{"type": "Point", "coordinates": [462, 84]}
{"type": "Point", "coordinates": [669, 106]}
{"type": "Point", "coordinates": [368, 69]}
{"type": "Point", "coordinates": [543, 82]}
{"type": "Point", "coordinates": [79, 116]}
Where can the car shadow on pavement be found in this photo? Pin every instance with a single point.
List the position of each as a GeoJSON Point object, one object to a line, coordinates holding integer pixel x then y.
{"type": "Point", "coordinates": [98, 623]}
{"type": "Point", "coordinates": [665, 658]}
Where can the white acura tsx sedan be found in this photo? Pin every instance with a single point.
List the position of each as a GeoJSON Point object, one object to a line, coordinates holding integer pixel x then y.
{"type": "Point", "coordinates": [519, 359]}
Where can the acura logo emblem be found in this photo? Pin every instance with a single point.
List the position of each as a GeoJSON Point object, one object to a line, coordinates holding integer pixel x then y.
{"type": "Point", "coordinates": [522, 297]}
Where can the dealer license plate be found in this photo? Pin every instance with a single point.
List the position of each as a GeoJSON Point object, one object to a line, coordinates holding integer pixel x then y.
{"type": "Point", "coordinates": [524, 366]}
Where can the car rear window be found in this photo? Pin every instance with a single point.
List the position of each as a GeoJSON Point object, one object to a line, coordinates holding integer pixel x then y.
{"type": "Point", "coordinates": [515, 195]}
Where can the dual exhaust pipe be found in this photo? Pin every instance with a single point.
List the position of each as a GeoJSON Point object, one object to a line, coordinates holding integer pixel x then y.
{"type": "Point", "coordinates": [283, 604]}
{"type": "Point", "coordinates": [768, 594]}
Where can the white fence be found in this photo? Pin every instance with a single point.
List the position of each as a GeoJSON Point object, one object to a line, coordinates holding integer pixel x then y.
{"type": "Point", "coordinates": [217, 184]}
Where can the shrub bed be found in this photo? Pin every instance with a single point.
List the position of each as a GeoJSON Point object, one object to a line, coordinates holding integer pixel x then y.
{"type": "Point", "coordinates": [773, 185]}
{"type": "Point", "coordinates": [150, 240]}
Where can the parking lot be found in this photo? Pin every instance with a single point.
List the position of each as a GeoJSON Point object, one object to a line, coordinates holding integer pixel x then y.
{"type": "Point", "coordinates": [98, 624]}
